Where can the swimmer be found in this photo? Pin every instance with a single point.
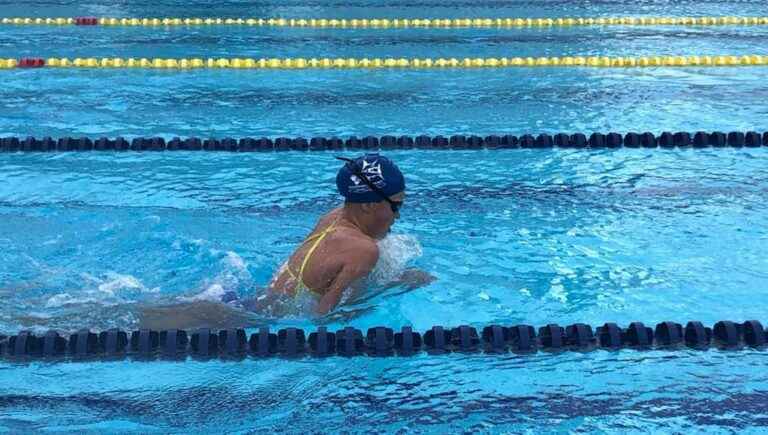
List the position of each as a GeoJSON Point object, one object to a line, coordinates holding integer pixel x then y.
{"type": "Point", "coordinates": [341, 250]}
{"type": "Point", "coordinates": [338, 254]}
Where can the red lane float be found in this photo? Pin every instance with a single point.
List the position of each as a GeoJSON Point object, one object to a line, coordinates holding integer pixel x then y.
{"type": "Point", "coordinates": [86, 21]}
{"type": "Point", "coordinates": [31, 62]}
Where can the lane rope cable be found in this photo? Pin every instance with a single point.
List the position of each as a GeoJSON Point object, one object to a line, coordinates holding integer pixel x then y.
{"type": "Point", "coordinates": [647, 140]}
{"type": "Point", "coordinates": [378, 341]}
{"type": "Point", "coordinates": [394, 23]}
{"type": "Point", "coordinates": [379, 63]}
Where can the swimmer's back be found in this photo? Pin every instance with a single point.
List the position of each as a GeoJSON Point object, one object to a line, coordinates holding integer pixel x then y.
{"type": "Point", "coordinates": [332, 253]}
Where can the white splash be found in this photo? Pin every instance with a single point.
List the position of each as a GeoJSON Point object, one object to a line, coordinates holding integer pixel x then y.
{"type": "Point", "coordinates": [64, 299]}
{"type": "Point", "coordinates": [235, 261]}
{"type": "Point", "coordinates": [110, 289]}
{"type": "Point", "coordinates": [213, 293]}
{"type": "Point", "coordinates": [395, 251]}
{"type": "Point", "coordinates": [115, 282]}
{"type": "Point", "coordinates": [234, 274]}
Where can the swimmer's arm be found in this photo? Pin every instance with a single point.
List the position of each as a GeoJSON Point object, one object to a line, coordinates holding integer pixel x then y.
{"type": "Point", "coordinates": [356, 267]}
{"type": "Point", "coordinates": [412, 279]}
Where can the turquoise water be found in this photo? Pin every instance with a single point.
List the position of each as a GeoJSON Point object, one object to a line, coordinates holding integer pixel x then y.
{"type": "Point", "coordinates": [512, 236]}
{"type": "Point", "coordinates": [532, 237]}
{"type": "Point", "coordinates": [317, 102]}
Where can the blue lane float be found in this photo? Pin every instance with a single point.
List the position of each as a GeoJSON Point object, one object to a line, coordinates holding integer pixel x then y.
{"type": "Point", "coordinates": [699, 139]}
{"type": "Point", "coordinates": [377, 342]}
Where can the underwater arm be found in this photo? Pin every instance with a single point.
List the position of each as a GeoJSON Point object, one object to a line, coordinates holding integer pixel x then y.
{"type": "Point", "coordinates": [193, 315]}
{"type": "Point", "coordinates": [412, 278]}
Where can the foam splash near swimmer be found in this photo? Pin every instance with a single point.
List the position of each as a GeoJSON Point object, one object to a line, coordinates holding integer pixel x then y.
{"type": "Point", "coordinates": [215, 302]}
{"type": "Point", "coordinates": [104, 300]}
{"type": "Point", "coordinates": [110, 289]}
{"type": "Point", "coordinates": [396, 251]}
{"type": "Point", "coordinates": [232, 277]}
{"type": "Point", "coordinates": [120, 300]}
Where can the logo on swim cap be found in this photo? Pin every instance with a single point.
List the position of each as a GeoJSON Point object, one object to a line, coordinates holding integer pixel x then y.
{"type": "Point", "coordinates": [379, 170]}
{"type": "Point", "coordinates": [372, 170]}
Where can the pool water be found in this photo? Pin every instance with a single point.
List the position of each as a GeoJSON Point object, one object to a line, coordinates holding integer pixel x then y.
{"type": "Point", "coordinates": [512, 236]}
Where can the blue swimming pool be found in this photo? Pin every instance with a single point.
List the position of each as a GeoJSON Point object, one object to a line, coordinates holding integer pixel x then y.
{"type": "Point", "coordinates": [512, 236]}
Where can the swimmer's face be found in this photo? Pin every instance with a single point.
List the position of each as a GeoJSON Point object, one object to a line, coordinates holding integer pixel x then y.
{"type": "Point", "coordinates": [384, 216]}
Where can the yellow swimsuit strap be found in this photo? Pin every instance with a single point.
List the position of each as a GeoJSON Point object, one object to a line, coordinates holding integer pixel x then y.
{"type": "Point", "coordinates": [317, 238]}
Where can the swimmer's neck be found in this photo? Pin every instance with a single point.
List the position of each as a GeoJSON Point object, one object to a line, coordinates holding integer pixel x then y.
{"type": "Point", "coordinates": [352, 217]}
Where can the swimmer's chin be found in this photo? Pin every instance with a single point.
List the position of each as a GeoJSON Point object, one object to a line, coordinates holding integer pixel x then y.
{"type": "Point", "coordinates": [385, 235]}
{"type": "Point", "coordinates": [380, 237]}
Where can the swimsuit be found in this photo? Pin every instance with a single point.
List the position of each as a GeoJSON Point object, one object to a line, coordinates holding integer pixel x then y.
{"type": "Point", "coordinates": [299, 277]}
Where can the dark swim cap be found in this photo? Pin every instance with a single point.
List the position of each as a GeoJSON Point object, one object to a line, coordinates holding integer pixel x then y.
{"type": "Point", "coordinates": [381, 172]}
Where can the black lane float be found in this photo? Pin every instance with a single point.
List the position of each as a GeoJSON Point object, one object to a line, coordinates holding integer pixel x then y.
{"type": "Point", "coordinates": [379, 341]}
{"type": "Point", "coordinates": [701, 139]}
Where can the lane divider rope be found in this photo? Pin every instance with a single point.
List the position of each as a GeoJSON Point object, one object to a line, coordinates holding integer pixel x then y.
{"type": "Point", "coordinates": [396, 23]}
{"type": "Point", "coordinates": [399, 63]}
{"type": "Point", "coordinates": [379, 341]}
{"type": "Point", "coordinates": [700, 139]}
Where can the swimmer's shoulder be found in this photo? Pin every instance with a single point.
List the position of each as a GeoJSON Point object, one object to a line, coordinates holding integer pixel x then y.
{"type": "Point", "coordinates": [345, 244]}
{"type": "Point", "coordinates": [351, 245]}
